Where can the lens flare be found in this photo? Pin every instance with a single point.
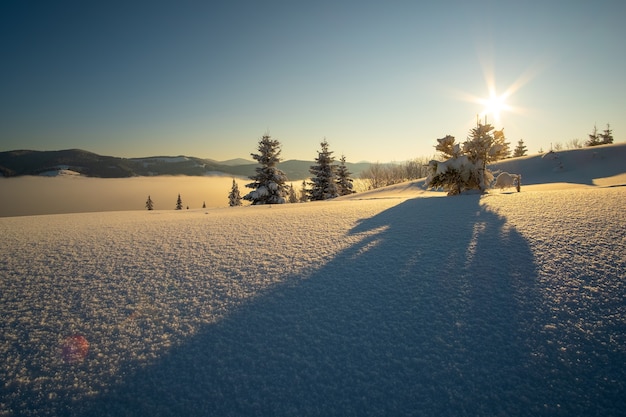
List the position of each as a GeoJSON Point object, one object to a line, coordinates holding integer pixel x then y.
{"type": "Point", "coordinates": [74, 349]}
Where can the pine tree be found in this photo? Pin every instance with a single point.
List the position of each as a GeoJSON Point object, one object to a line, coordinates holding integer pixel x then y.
{"type": "Point", "coordinates": [304, 193]}
{"type": "Point", "coordinates": [292, 195]}
{"type": "Point", "coordinates": [500, 148]}
{"type": "Point", "coordinates": [607, 135]}
{"type": "Point", "coordinates": [234, 197]}
{"type": "Point", "coordinates": [482, 147]}
{"type": "Point", "coordinates": [594, 137]}
{"type": "Point", "coordinates": [520, 149]}
{"type": "Point", "coordinates": [179, 203]}
{"type": "Point", "coordinates": [269, 182]}
{"type": "Point", "coordinates": [344, 182]}
{"type": "Point", "coordinates": [149, 204]}
{"type": "Point", "coordinates": [447, 147]}
{"type": "Point", "coordinates": [323, 180]}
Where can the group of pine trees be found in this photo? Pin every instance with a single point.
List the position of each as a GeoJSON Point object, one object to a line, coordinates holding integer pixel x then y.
{"type": "Point", "coordinates": [604, 138]}
{"type": "Point", "coordinates": [595, 138]}
{"type": "Point", "coordinates": [269, 186]}
{"type": "Point", "coordinates": [328, 180]}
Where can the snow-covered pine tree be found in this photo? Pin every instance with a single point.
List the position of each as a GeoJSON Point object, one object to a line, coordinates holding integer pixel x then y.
{"type": "Point", "coordinates": [520, 149]}
{"type": "Point", "coordinates": [292, 195]}
{"type": "Point", "coordinates": [607, 135]}
{"type": "Point", "coordinates": [447, 147]}
{"type": "Point", "coordinates": [304, 193]}
{"type": "Point", "coordinates": [234, 197]}
{"type": "Point", "coordinates": [323, 180]}
{"type": "Point", "coordinates": [149, 204]}
{"type": "Point", "coordinates": [269, 182]}
{"type": "Point", "coordinates": [179, 203]}
{"type": "Point", "coordinates": [452, 173]}
{"type": "Point", "coordinates": [482, 147]}
{"type": "Point", "coordinates": [345, 184]}
{"type": "Point", "coordinates": [500, 148]}
{"type": "Point", "coordinates": [594, 137]}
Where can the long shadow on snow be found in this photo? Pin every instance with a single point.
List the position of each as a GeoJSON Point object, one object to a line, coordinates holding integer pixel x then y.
{"type": "Point", "coordinates": [416, 319]}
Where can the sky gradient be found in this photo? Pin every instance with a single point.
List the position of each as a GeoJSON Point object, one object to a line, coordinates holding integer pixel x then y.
{"type": "Point", "coordinates": [381, 81]}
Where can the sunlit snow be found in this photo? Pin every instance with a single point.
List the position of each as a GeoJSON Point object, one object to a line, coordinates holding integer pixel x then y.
{"type": "Point", "coordinates": [394, 302]}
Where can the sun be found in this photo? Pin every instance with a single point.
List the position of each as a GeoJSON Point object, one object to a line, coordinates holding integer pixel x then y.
{"type": "Point", "coordinates": [494, 106]}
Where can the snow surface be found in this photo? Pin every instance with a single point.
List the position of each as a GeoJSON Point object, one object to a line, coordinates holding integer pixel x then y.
{"type": "Point", "coordinates": [394, 302]}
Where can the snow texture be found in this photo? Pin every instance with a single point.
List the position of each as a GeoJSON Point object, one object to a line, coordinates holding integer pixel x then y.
{"type": "Point", "coordinates": [397, 302]}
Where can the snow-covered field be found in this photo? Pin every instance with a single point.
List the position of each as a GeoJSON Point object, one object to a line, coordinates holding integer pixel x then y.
{"type": "Point", "coordinates": [393, 302]}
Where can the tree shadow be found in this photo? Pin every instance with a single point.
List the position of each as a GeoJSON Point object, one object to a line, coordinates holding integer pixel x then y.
{"type": "Point", "coordinates": [398, 324]}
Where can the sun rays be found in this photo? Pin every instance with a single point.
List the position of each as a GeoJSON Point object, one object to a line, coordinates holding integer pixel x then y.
{"type": "Point", "coordinates": [494, 105]}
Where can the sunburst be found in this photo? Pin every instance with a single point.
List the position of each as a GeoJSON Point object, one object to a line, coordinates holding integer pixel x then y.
{"type": "Point", "coordinates": [494, 105]}
{"type": "Point", "coordinates": [497, 103]}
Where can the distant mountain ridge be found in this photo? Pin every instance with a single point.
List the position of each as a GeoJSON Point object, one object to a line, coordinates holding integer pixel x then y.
{"type": "Point", "coordinates": [29, 162]}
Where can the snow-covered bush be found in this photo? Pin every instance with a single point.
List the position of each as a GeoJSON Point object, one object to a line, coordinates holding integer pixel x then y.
{"type": "Point", "coordinates": [466, 168]}
{"type": "Point", "coordinates": [506, 180]}
{"type": "Point", "coordinates": [451, 175]}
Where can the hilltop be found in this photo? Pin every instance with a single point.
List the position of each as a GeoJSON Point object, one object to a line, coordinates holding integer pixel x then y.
{"type": "Point", "coordinates": [603, 165]}
{"type": "Point", "coordinates": [28, 162]}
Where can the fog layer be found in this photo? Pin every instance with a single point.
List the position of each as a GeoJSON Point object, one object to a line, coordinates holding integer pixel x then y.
{"type": "Point", "coordinates": [24, 196]}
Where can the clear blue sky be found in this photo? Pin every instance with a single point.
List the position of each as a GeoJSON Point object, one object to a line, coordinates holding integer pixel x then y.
{"type": "Point", "coordinates": [380, 80]}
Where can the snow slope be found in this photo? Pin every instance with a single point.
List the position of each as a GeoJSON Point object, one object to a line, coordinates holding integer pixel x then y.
{"type": "Point", "coordinates": [587, 166]}
{"type": "Point", "coordinates": [396, 302]}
